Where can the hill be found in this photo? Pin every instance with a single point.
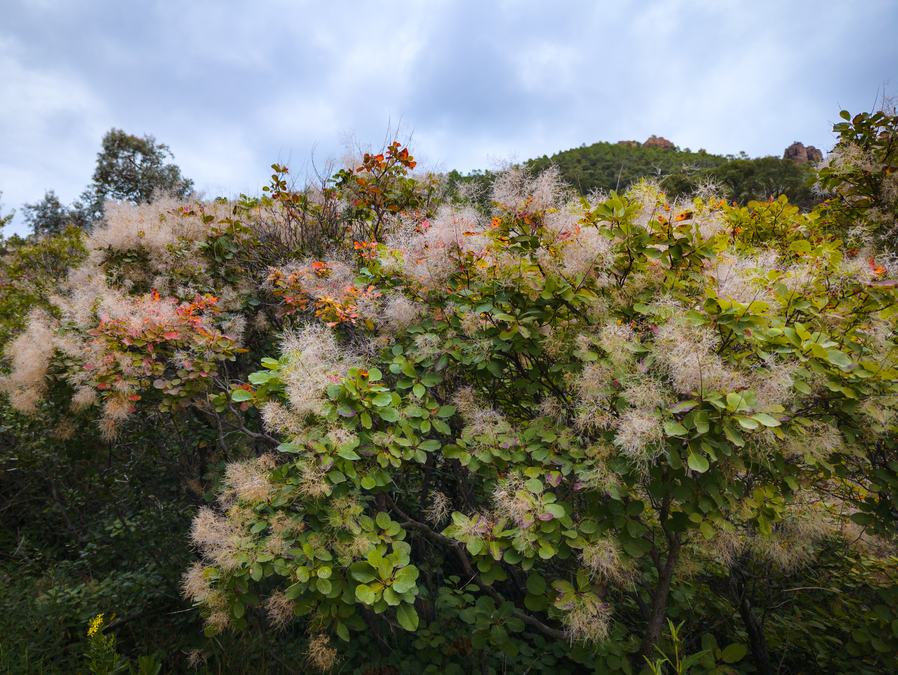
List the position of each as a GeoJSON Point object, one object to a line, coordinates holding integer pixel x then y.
{"type": "Point", "coordinates": [605, 166]}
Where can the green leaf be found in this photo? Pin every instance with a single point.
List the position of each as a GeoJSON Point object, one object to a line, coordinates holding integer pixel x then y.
{"type": "Point", "coordinates": [295, 590]}
{"type": "Point", "coordinates": [534, 485]}
{"type": "Point", "coordinates": [431, 379]}
{"type": "Point", "coordinates": [766, 419]}
{"type": "Point", "coordinates": [419, 390]}
{"type": "Point", "coordinates": [348, 453]}
{"type": "Point", "coordinates": [733, 436]}
{"type": "Point", "coordinates": [673, 428]}
{"type": "Point", "coordinates": [683, 406]}
{"type": "Point", "coordinates": [361, 571]}
{"type": "Point", "coordinates": [702, 423]}
{"type": "Point", "coordinates": [536, 603]}
{"type": "Point", "coordinates": [364, 594]}
{"type": "Point", "coordinates": [706, 529]}
{"type": "Point", "coordinates": [588, 526]}
{"type": "Point", "coordinates": [405, 579]}
{"type": "Point", "coordinates": [430, 445]}
{"type": "Point", "coordinates": [474, 546]}
{"type": "Point", "coordinates": [389, 414]}
{"type": "Point", "coordinates": [391, 597]}
{"type": "Point", "coordinates": [407, 617]}
{"type": "Point", "coordinates": [734, 653]}
{"type": "Point", "coordinates": [241, 395]}
{"type": "Point", "coordinates": [382, 519]}
{"type": "Point", "coordinates": [837, 358]}
{"type": "Point", "coordinates": [735, 401]}
{"type": "Point", "coordinates": [374, 375]}
{"type": "Point", "coordinates": [747, 423]}
{"type": "Point", "coordinates": [259, 377]}
{"type": "Point", "coordinates": [635, 548]}
{"type": "Point", "coordinates": [556, 510]}
{"type": "Point", "coordinates": [536, 584]}
{"type": "Point", "coordinates": [383, 399]}
{"type": "Point", "coordinates": [697, 463]}
{"type": "Point", "coordinates": [446, 411]}
{"type": "Point", "coordinates": [801, 247]}
{"type": "Point", "coordinates": [368, 482]}
{"type": "Point", "coordinates": [801, 387]}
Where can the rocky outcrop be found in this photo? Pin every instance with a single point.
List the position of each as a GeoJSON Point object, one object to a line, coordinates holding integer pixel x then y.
{"type": "Point", "coordinates": [803, 154]}
{"type": "Point", "coordinates": [630, 144]}
{"type": "Point", "coordinates": [658, 142]}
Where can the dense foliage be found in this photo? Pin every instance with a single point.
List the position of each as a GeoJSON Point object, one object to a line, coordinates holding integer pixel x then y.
{"type": "Point", "coordinates": [616, 166]}
{"type": "Point", "coordinates": [409, 432]}
{"type": "Point", "coordinates": [861, 177]}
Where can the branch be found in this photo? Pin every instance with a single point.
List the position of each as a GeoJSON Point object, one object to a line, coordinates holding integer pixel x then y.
{"type": "Point", "coordinates": [472, 573]}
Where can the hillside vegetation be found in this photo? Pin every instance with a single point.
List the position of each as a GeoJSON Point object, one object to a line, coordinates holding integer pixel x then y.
{"type": "Point", "coordinates": [387, 424]}
{"type": "Point", "coordinates": [604, 167]}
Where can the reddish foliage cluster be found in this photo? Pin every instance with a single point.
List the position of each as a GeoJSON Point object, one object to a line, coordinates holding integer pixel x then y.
{"type": "Point", "coordinates": [366, 250]}
{"type": "Point", "coordinates": [175, 346]}
{"type": "Point", "coordinates": [318, 287]}
{"type": "Point", "coordinates": [345, 310]}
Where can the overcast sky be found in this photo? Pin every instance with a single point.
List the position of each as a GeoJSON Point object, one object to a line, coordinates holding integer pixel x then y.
{"type": "Point", "coordinates": [233, 86]}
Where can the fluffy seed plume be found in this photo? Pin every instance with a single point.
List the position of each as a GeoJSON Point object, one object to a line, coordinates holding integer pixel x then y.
{"type": "Point", "coordinates": [279, 609]}
{"type": "Point", "coordinates": [216, 537]}
{"type": "Point", "coordinates": [321, 655]}
{"type": "Point", "coordinates": [587, 619]}
{"type": "Point", "coordinates": [315, 360]}
{"type": "Point", "coordinates": [639, 435]}
{"type": "Point", "coordinates": [247, 481]}
{"type": "Point", "coordinates": [30, 355]}
{"type": "Point", "coordinates": [438, 509]}
{"type": "Point", "coordinates": [689, 358]}
{"type": "Point", "coordinates": [602, 557]}
{"type": "Point", "coordinates": [512, 501]}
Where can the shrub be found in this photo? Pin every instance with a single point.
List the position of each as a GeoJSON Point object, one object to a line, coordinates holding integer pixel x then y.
{"type": "Point", "coordinates": [415, 434]}
{"type": "Point", "coordinates": [595, 391]}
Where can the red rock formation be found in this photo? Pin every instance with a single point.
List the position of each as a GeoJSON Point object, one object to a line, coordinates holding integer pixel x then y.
{"type": "Point", "coordinates": [659, 142]}
{"type": "Point", "coordinates": [802, 154]}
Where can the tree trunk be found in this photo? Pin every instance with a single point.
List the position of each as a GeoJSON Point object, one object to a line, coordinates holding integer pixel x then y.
{"type": "Point", "coordinates": [659, 598]}
{"type": "Point", "coordinates": [756, 638]}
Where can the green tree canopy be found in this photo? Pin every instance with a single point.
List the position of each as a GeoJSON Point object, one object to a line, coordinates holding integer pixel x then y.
{"type": "Point", "coordinates": [133, 169]}
{"type": "Point", "coordinates": [51, 216]}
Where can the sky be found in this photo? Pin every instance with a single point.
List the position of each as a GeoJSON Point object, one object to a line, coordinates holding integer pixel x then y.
{"type": "Point", "coordinates": [232, 86]}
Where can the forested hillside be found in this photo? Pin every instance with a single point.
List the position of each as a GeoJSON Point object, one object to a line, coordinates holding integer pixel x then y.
{"type": "Point", "coordinates": [604, 167]}
{"type": "Point", "coordinates": [569, 422]}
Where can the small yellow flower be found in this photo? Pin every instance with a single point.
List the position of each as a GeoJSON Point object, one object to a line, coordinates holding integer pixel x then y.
{"type": "Point", "coordinates": [96, 624]}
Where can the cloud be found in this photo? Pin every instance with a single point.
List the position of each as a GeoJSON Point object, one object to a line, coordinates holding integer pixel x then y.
{"type": "Point", "coordinates": [232, 87]}
{"type": "Point", "coordinates": [40, 105]}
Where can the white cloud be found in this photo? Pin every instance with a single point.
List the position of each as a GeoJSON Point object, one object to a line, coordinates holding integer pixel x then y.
{"type": "Point", "coordinates": [50, 122]}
